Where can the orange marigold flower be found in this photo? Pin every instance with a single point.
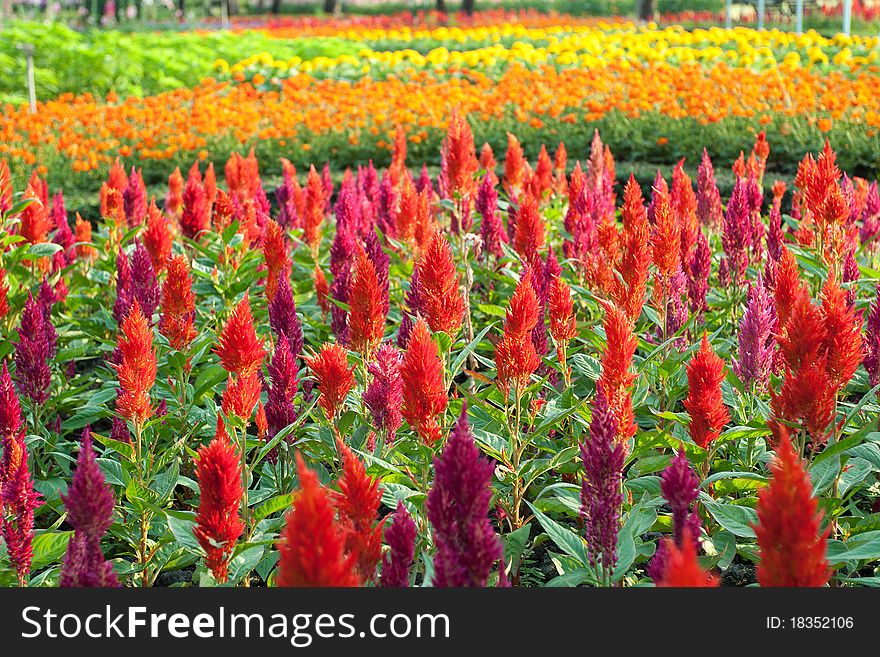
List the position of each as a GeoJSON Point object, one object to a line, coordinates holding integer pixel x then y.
{"type": "Point", "coordinates": [366, 314]}
{"type": "Point", "coordinates": [137, 366]}
{"type": "Point", "coordinates": [704, 403]}
{"type": "Point", "coordinates": [239, 348]}
{"type": "Point", "coordinates": [440, 299]}
{"type": "Point", "coordinates": [178, 305]}
{"type": "Point", "coordinates": [790, 542]}
{"type": "Point", "coordinates": [330, 370]}
{"type": "Point", "coordinates": [312, 547]}
{"type": "Point", "coordinates": [617, 378]}
{"type": "Point", "coordinates": [424, 391]}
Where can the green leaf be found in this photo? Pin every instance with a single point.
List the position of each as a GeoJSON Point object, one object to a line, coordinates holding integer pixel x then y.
{"type": "Point", "coordinates": [181, 524]}
{"type": "Point", "coordinates": [838, 447]}
{"type": "Point", "coordinates": [244, 562]}
{"type": "Point", "coordinates": [273, 505]}
{"type": "Point", "coordinates": [48, 547]}
{"type": "Point", "coordinates": [44, 249]}
{"type": "Point", "coordinates": [514, 545]}
{"type": "Point", "coordinates": [738, 520]}
{"type": "Point", "coordinates": [120, 447]}
{"type": "Point", "coordinates": [824, 473]}
{"type": "Point", "coordinates": [857, 548]}
{"type": "Point", "coordinates": [573, 578]}
{"type": "Point", "coordinates": [565, 539]}
{"type": "Point", "coordinates": [464, 353]}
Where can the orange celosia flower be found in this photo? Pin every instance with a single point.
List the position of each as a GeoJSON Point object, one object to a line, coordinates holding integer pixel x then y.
{"type": "Point", "coordinates": [666, 238]}
{"type": "Point", "coordinates": [218, 525]}
{"type": "Point", "coordinates": [178, 305]}
{"type": "Point", "coordinates": [4, 292]}
{"type": "Point", "coordinates": [35, 221]}
{"type": "Point", "coordinates": [157, 237]}
{"type": "Point", "coordinates": [357, 504]}
{"type": "Point", "coordinates": [616, 378]}
{"type": "Point", "coordinates": [791, 544]}
{"type": "Point", "coordinates": [405, 220]}
{"type": "Point", "coordinates": [807, 393]}
{"type": "Point", "coordinates": [239, 349]}
{"type": "Point", "coordinates": [681, 567]}
{"type": "Point", "coordinates": [275, 253]}
{"type": "Point", "coordinates": [843, 334]}
{"type": "Point", "coordinates": [424, 223]}
{"type": "Point", "coordinates": [366, 314]}
{"type": "Point", "coordinates": [488, 163]}
{"type": "Point", "coordinates": [241, 395]}
{"type": "Point", "coordinates": [312, 547]}
{"type": "Point", "coordinates": [330, 370]}
{"type": "Point", "coordinates": [174, 198]}
{"type": "Point", "coordinates": [515, 355]}
{"type": "Point", "coordinates": [628, 291]}
{"type": "Point", "coordinates": [685, 210]}
{"type": "Point", "coordinates": [314, 210]}
{"type": "Point", "coordinates": [5, 187]}
{"type": "Point", "coordinates": [704, 403]}
{"type": "Point", "coordinates": [542, 181]}
{"type": "Point", "coordinates": [322, 291]}
{"type": "Point", "coordinates": [788, 286]}
{"type": "Point", "coordinates": [563, 325]}
{"type": "Point", "coordinates": [461, 158]}
{"type": "Point", "coordinates": [514, 167]}
{"type": "Point", "coordinates": [397, 168]}
{"type": "Point", "coordinates": [440, 298]}
{"type": "Point", "coordinates": [528, 238]}
{"type": "Point", "coordinates": [424, 391]}
{"type": "Point", "coordinates": [84, 250]}
{"type": "Point", "coordinates": [137, 366]}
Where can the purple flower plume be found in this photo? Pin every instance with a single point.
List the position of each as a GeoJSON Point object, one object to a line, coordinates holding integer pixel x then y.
{"type": "Point", "coordinates": [401, 539]}
{"type": "Point", "coordinates": [872, 338]}
{"type": "Point", "coordinates": [601, 493]}
{"type": "Point", "coordinates": [384, 395]}
{"type": "Point", "coordinates": [280, 409]}
{"type": "Point", "coordinates": [32, 353]}
{"type": "Point", "coordinates": [282, 315]}
{"type": "Point", "coordinates": [708, 198]}
{"type": "Point", "coordinates": [698, 270]}
{"type": "Point", "coordinates": [458, 509]}
{"type": "Point", "coordinates": [755, 354]}
{"type": "Point", "coordinates": [89, 504]}
{"type": "Point", "coordinates": [736, 235]}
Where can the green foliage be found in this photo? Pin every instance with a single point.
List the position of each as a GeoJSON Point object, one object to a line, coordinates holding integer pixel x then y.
{"type": "Point", "coordinates": [141, 63]}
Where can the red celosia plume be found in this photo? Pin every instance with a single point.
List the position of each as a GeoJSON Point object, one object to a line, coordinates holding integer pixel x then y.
{"type": "Point", "coordinates": [704, 403]}
{"type": "Point", "coordinates": [312, 547]}
{"type": "Point", "coordinates": [790, 541]}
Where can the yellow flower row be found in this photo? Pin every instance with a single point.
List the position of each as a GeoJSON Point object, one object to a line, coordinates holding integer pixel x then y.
{"type": "Point", "coordinates": [590, 46]}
